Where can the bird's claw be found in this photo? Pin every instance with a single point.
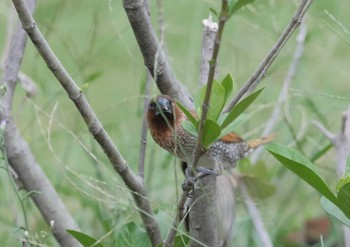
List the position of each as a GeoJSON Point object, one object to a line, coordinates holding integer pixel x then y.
{"type": "Point", "coordinates": [203, 172]}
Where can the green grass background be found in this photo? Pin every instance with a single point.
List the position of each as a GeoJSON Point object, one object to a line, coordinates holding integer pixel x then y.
{"type": "Point", "coordinates": [94, 41]}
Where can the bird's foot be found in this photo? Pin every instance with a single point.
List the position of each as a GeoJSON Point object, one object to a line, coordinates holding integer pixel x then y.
{"type": "Point", "coordinates": [202, 172]}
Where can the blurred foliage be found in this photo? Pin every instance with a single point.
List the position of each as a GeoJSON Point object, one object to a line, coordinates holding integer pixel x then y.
{"type": "Point", "coordinates": [94, 41]}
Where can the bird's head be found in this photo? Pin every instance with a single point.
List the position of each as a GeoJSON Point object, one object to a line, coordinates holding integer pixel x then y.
{"type": "Point", "coordinates": [162, 110]}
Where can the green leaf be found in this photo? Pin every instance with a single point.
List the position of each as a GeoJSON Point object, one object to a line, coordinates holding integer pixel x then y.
{"type": "Point", "coordinates": [132, 235]}
{"type": "Point", "coordinates": [181, 241]}
{"type": "Point", "coordinates": [240, 120]}
{"type": "Point", "coordinates": [227, 84]}
{"type": "Point", "coordinates": [321, 152]}
{"type": "Point", "coordinates": [344, 199]}
{"type": "Point", "coordinates": [214, 11]}
{"type": "Point", "coordinates": [190, 128]}
{"type": "Point", "coordinates": [302, 167]}
{"type": "Point", "coordinates": [258, 188]}
{"type": "Point", "coordinates": [94, 76]}
{"type": "Point", "coordinates": [217, 100]}
{"type": "Point", "coordinates": [333, 210]}
{"type": "Point", "coordinates": [342, 181]}
{"type": "Point", "coordinates": [240, 107]}
{"type": "Point", "coordinates": [83, 238]}
{"type": "Point", "coordinates": [211, 133]}
{"type": "Point", "coordinates": [187, 113]}
{"type": "Point", "coordinates": [237, 5]}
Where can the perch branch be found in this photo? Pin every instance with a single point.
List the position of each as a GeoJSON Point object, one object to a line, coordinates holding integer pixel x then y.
{"type": "Point", "coordinates": [19, 154]}
{"type": "Point", "coordinates": [152, 53]}
{"type": "Point", "coordinates": [133, 182]}
{"type": "Point", "coordinates": [261, 71]}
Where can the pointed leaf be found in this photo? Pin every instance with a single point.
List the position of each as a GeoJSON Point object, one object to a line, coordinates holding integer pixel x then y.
{"type": "Point", "coordinates": [333, 210]}
{"type": "Point", "coordinates": [342, 181]}
{"type": "Point", "coordinates": [181, 241]}
{"type": "Point", "coordinates": [344, 199]}
{"type": "Point", "coordinates": [301, 166]}
{"type": "Point", "coordinates": [83, 238]}
{"type": "Point", "coordinates": [237, 5]}
{"type": "Point", "coordinates": [217, 100]}
{"type": "Point", "coordinates": [190, 128]}
{"type": "Point", "coordinates": [132, 235]}
{"type": "Point", "coordinates": [240, 107]}
{"type": "Point", "coordinates": [227, 84]}
{"type": "Point", "coordinates": [188, 114]}
{"type": "Point", "coordinates": [240, 120]}
{"type": "Point", "coordinates": [211, 133]}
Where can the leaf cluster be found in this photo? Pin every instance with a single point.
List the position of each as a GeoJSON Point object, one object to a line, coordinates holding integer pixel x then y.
{"type": "Point", "coordinates": [217, 123]}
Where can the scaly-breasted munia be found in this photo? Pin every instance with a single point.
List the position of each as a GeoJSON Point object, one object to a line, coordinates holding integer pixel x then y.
{"type": "Point", "coordinates": [165, 123]}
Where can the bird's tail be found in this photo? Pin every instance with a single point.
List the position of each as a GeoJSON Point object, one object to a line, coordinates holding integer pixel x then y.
{"type": "Point", "coordinates": [253, 144]}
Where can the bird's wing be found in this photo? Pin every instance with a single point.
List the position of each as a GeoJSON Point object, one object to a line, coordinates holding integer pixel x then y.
{"type": "Point", "coordinates": [232, 138]}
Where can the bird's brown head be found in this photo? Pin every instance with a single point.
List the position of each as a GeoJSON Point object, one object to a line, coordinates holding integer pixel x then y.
{"type": "Point", "coordinates": [162, 112]}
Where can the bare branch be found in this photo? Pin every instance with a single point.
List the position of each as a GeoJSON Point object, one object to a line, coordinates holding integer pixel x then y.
{"type": "Point", "coordinates": [133, 182]}
{"type": "Point", "coordinates": [210, 29]}
{"type": "Point", "coordinates": [153, 55]}
{"type": "Point", "coordinates": [260, 72]}
{"type": "Point", "coordinates": [256, 217]}
{"type": "Point", "coordinates": [276, 113]}
{"type": "Point", "coordinates": [203, 207]}
{"type": "Point", "coordinates": [324, 131]}
{"type": "Point", "coordinates": [19, 154]}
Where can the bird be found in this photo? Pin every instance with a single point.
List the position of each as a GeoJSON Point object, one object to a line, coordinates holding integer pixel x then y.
{"type": "Point", "coordinates": [165, 118]}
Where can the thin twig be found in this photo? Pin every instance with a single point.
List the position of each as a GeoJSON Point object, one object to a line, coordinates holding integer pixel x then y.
{"type": "Point", "coordinates": [260, 72]}
{"type": "Point", "coordinates": [256, 217]}
{"type": "Point", "coordinates": [212, 65]}
{"type": "Point", "coordinates": [276, 113]}
{"type": "Point", "coordinates": [169, 240]}
{"type": "Point", "coordinates": [143, 141]}
{"type": "Point", "coordinates": [133, 182]}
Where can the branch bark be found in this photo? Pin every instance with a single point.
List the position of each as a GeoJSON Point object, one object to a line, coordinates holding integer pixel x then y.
{"type": "Point", "coordinates": [19, 154]}
{"type": "Point", "coordinates": [261, 71]}
{"type": "Point", "coordinates": [153, 55]}
{"type": "Point", "coordinates": [133, 182]}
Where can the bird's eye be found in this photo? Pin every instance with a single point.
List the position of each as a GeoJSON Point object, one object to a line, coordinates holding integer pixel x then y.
{"type": "Point", "coordinates": [152, 105]}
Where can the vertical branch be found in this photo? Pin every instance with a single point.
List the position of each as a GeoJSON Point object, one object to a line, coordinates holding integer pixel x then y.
{"type": "Point", "coordinates": [203, 215]}
{"type": "Point", "coordinates": [212, 65]}
{"type": "Point", "coordinates": [341, 143]}
{"type": "Point", "coordinates": [210, 29]}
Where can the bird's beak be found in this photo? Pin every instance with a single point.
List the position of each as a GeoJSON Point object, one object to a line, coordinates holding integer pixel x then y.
{"type": "Point", "coordinates": [163, 105]}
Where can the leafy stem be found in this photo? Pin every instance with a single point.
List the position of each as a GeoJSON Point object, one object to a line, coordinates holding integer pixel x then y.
{"type": "Point", "coordinates": [212, 64]}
